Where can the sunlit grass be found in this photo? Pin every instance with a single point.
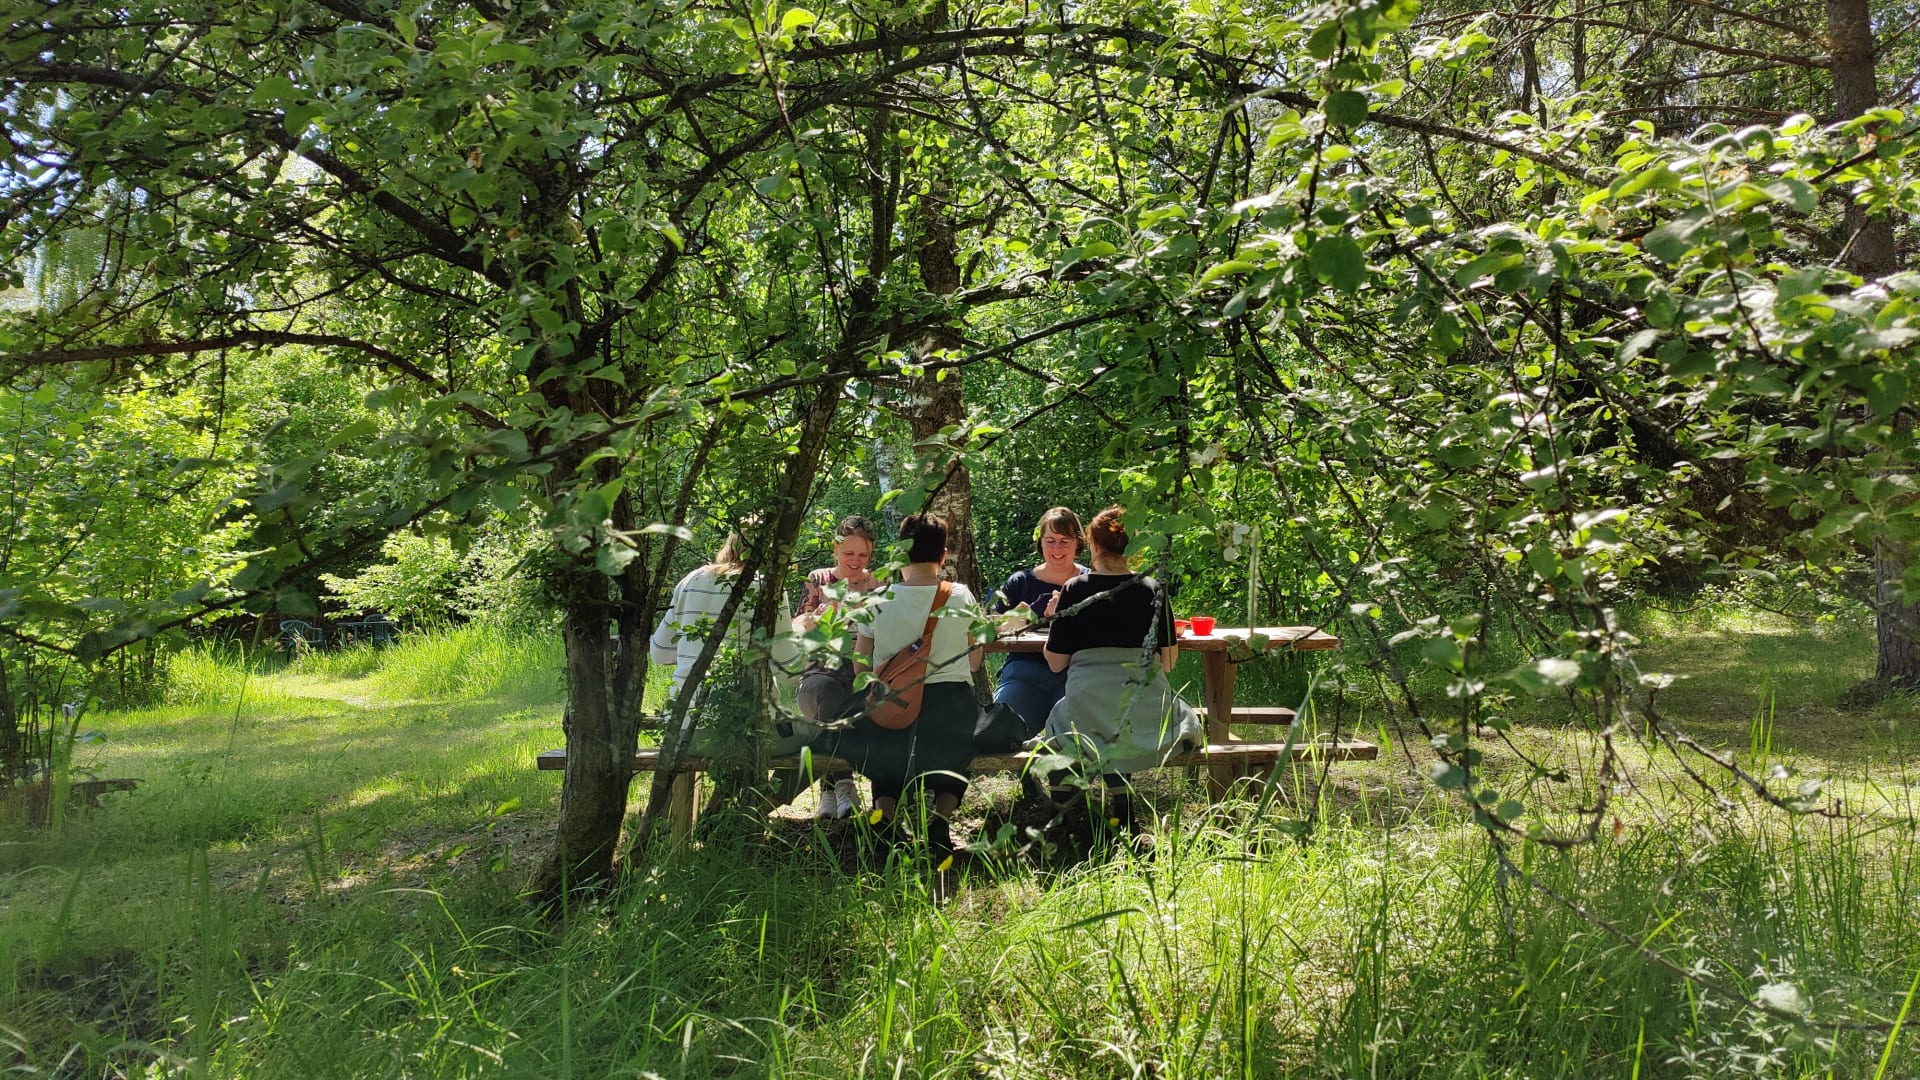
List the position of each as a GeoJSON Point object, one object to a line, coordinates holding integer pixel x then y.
{"type": "Point", "coordinates": [320, 877]}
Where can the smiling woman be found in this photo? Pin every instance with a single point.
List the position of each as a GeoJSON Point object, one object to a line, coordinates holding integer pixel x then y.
{"type": "Point", "coordinates": [826, 683]}
{"type": "Point", "coordinates": [1026, 684]}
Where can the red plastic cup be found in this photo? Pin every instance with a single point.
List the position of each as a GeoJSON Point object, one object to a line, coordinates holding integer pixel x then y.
{"type": "Point", "coordinates": [1203, 625]}
{"type": "Point", "coordinates": [1181, 627]}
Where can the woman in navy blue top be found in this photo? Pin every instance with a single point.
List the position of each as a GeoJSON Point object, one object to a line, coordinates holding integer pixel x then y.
{"type": "Point", "coordinates": [1027, 684]}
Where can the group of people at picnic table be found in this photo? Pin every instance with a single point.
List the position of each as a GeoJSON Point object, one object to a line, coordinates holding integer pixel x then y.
{"type": "Point", "coordinates": [1097, 693]}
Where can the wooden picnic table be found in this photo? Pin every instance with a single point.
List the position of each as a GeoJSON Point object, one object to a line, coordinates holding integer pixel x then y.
{"type": "Point", "coordinates": [1216, 673]}
{"type": "Point", "coordinates": [1225, 758]}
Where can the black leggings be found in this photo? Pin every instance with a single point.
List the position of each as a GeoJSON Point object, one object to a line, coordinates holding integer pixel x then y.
{"type": "Point", "coordinates": [933, 754]}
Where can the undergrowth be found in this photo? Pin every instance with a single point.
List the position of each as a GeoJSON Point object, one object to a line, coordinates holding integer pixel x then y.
{"type": "Point", "coordinates": [320, 877]}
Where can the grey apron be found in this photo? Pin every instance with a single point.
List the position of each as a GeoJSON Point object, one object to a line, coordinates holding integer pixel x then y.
{"type": "Point", "coordinates": [1120, 716]}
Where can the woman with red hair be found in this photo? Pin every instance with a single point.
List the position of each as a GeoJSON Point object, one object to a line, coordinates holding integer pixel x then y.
{"type": "Point", "coordinates": [1113, 637]}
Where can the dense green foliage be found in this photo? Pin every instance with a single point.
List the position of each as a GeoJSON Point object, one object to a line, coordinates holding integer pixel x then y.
{"type": "Point", "coordinates": [1448, 329]}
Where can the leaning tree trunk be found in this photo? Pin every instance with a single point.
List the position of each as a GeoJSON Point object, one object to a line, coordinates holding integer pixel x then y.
{"type": "Point", "coordinates": [739, 781]}
{"type": "Point", "coordinates": [1871, 254]}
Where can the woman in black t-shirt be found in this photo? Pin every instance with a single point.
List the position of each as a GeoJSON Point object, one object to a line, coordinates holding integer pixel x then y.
{"type": "Point", "coordinates": [1119, 713]}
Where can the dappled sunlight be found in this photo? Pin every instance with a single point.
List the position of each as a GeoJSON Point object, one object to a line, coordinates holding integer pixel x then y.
{"type": "Point", "coordinates": [379, 839]}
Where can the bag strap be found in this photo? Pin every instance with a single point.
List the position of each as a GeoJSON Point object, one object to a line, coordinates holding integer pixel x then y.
{"type": "Point", "coordinates": [925, 640]}
{"type": "Point", "coordinates": [940, 595]}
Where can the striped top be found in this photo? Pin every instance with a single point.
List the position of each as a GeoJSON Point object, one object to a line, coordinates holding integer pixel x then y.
{"type": "Point", "coordinates": [697, 601]}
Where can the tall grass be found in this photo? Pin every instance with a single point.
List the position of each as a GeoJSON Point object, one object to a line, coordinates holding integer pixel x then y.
{"type": "Point", "coordinates": [332, 891]}
{"type": "Point", "coordinates": [1230, 954]}
{"type": "Point", "coordinates": [470, 661]}
{"type": "Point", "coordinates": [220, 677]}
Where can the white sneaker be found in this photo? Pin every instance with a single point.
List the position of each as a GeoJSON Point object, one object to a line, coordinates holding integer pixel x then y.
{"type": "Point", "coordinates": [830, 806]}
{"type": "Point", "coordinates": [848, 793]}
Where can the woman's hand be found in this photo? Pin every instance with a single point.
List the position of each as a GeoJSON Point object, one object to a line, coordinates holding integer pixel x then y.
{"type": "Point", "coordinates": [1014, 619]}
{"type": "Point", "coordinates": [1053, 604]}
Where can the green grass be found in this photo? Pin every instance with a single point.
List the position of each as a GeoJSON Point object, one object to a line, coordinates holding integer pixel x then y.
{"type": "Point", "coordinates": [319, 877]}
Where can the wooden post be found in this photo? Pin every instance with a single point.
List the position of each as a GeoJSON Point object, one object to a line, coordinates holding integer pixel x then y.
{"type": "Point", "coordinates": [1216, 679]}
{"type": "Point", "coordinates": [680, 810]}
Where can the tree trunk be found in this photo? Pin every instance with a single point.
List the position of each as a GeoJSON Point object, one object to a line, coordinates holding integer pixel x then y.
{"type": "Point", "coordinates": [739, 783]}
{"type": "Point", "coordinates": [604, 616]}
{"type": "Point", "coordinates": [1871, 254]}
{"type": "Point", "coordinates": [942, 402]}
{"type": "Point", "coordinates": [12, 745]}
{"type": "Point", "coordinates": [1897, 621]}
{"type": "Point", "coordinates": [605, 678]}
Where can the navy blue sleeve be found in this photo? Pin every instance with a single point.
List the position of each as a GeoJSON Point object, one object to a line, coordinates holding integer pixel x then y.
{"type": "Point", "coordinates": [1009, 596]}
{"type": "Point", "coordinates": [1024, 588]}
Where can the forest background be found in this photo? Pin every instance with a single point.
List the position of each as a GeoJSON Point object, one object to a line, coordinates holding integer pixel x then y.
{"type": "Point", "coordinates": [1452, 328]}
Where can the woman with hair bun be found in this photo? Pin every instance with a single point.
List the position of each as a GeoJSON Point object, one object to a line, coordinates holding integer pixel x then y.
{"type": "Point", "coordinates": [935, 751]}
{"type": "Point", "coordinates": [1119, 713]}
{"type": "Point", "coordinates": [697, 600]}
{"type": "Point", "coordinates": [1026, 684]}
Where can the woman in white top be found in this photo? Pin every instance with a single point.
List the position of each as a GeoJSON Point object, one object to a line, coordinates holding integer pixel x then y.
{"type": "Point", "coordinates": [936, 749]}
{"type": "Point", "coordinates": [697, 602]}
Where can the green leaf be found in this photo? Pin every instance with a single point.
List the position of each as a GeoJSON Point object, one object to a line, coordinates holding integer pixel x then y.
{"type": "Point", "coordinates": [1797, 283]}
{"type": "Point", "coordinates": [1338, 261]}
{"type": "Point", "coordinates": [1839, 521]}
{"type": "Point", "coordinates": [1486, 266]}
{"type": "Point", "coordinates": [1231, 266]}
{"type": "Point", "coordinates": [796, 18]}
{"type": "Point", "coordinates": [1446, 336]}
{"type": "Point", "coordinates": [1670, 242]}
{"type": "Point", "coordinates": [1321, 44]}
{"type": "Point", "coordinates": [612, 559]}
{"type": "Point", "coordinates": [1886, 393]}
{"type": "Point", "coordinates": [1793, 191]}
{"type": "Point", "coordinates": [292, 601]}
{"type": "Point", "coordinates": [1544, 560]}
{"type": "Point", "coordinates": [1544, 676]}
{"type": "Point", "coordinates": [1345, 108]}
{"type": "Point", "coordinates": [509, 52]}
{"type": "Point", "coordinates": [273, 90]}
{"type": "Point", "coordinates": [1662, 309]}
{"type": "Point", "coordinates": [1637, 344]}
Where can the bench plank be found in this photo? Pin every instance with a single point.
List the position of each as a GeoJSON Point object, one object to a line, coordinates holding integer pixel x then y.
{"type": "Point", "coordinates": [1243, 754]}
{"type": "Point", "coordinates": [1257, 714]}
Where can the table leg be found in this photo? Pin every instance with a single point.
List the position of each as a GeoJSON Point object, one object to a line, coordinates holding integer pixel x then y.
{"type": "Point", "coordinates": [1216, 679]}
{"type": "Point", "coordinates": [680, 810]}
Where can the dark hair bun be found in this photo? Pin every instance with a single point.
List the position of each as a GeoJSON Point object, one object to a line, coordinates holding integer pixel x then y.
{"type": "Point", "coordinates": [928, 533]}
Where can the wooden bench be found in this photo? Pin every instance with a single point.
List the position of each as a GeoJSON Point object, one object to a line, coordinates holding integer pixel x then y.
{"type": "Point", "coordinates": [1270, 715]}
{"type": "Point", "coordinates": [88, 792]}
{"type": "Point", "coordinates": [1241, 758]}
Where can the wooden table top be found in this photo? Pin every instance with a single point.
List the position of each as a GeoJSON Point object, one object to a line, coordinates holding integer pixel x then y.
{"type": "Point", "coordinates": [1223, 639]}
